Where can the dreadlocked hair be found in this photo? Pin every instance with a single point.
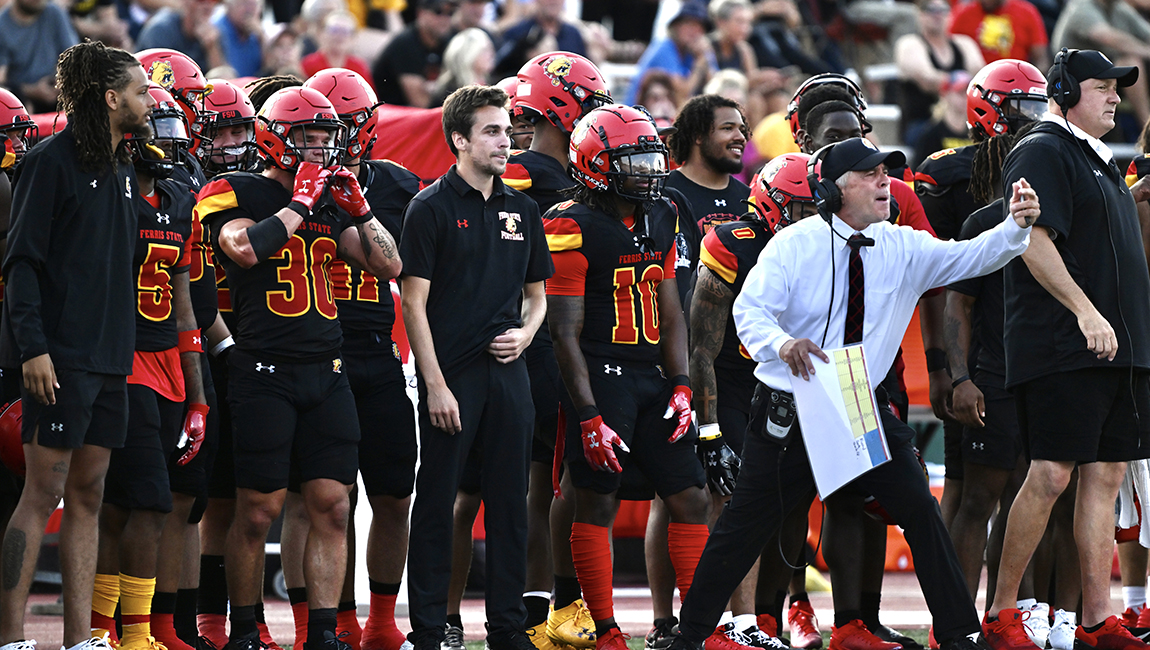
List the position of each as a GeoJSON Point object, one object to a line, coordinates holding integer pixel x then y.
{"type": "Point", "coordinates": [696, 120]}
{"type": "Point", "coordinates": [264, 87]}
{"type": "Point", "coordinates": [820, 94]}
{"type": "Point", "coordinates": [84, 72]}
{"type": "Point", "coordinates": [594, 199]}
{"type": "Point", "coordinates": [989, 159]}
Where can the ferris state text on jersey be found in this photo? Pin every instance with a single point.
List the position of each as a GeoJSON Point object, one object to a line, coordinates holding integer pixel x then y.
{"type": "Point", "coordinates": [285, 306]}
{"type": "Point", "coordinates": [600, 258]}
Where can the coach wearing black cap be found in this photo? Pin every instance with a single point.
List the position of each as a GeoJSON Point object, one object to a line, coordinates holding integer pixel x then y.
{"type": "Point", "coordinates": [1077, 341]}
{"type": "Point", "coordinates": [849, 277]}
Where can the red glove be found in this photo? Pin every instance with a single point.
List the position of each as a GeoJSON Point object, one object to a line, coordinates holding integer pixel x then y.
{"type": "Point", "coordinates": [598, 439]}
{"type": "Point", "coordinates": [310, 180]}
{"type": "Point", "coordinates": [192, 437]}
{"type": "Point", "coordinates": [348, 194]}
{"type": "Point", "coordinates": [680, 405]}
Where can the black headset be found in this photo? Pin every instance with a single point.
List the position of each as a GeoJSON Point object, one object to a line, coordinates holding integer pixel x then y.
{"type": "Point", "coordinates": [828, 196]}
{"type": "Point", "coordinates": [1062, 87]}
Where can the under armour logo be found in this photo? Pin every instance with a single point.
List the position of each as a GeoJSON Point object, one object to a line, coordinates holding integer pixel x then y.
{"type": "Point", "coordinates": [93, 184]}
{"type": "Point", "coordinates": [56, 426]}
{"type": "Point", "coordinates": [260, 366]}
{"type": "Point", "coordinates": [163, 218]}
{"type": "Point", "coordinates": [461, 223]}
{"type": "Point", "coordinates": [195, 339]}
{"type": "Point", "coordinates": [1098, 173]}
{"type": "Point", "coordinates": [720, 203]}
{"type": "Point", "coordinates": [978, 446]}
{"type": "Point", "coordinates": [303, 185]}
{"type": "Point", "coordinates": [607, 369]}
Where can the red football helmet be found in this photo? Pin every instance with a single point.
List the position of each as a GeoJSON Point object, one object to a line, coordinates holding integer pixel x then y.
{"type": "Point", "coordinates": [780, 183]}
{"type": "Point", "coordinates": [615, 143]}
{"type": "Point", "coordinates": [560, 87]}
{"type": "Point", "coordinates": [288, 112]}
{"type": "Point", "coordinates": [11, 443]}
{"type": "Point", "coordinates": [169, 142]}
{"type": "Point", "coordinates": [16, 123]}
{"type": "Point", "coordinates": [227, 105]}
{"type": "Point", "coordinates": [355, 103]}
{"type": "Point", "coordinates": [509, 85]}
{"type": "Point", "coordinates": [178, 74]}
{"type": "Point", "coordinates": [859, 102]}
{"type": "Point", "coordinates": [1004, 96]}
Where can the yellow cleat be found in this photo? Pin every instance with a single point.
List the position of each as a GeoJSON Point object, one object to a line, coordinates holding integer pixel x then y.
{"type": "Point", "coordinates": [540, 640]}
{"type": "Point", "coordinates": [571, 625]}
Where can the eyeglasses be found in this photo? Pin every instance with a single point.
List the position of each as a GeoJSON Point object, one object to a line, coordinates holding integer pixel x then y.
{"type": "Point", "coordinates": [445, 10]}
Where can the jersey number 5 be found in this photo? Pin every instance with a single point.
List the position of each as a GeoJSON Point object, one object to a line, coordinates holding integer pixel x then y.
{"type": "Point", "coordinates": [625, 330]}
{"type": "Point", "coordinates": [154, 284]}
{"type": "Point", "coordinates": [307, 274]}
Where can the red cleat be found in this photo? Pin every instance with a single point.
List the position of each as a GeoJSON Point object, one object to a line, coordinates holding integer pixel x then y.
{"type": "Point", "coordinates": [804, 626]}
{"type": "Point", "coordinates": [720, 641]}
{"type": "Point", "coordinates": [213, 629]}
{"type": "Point", "coordinates": [768, 624]}
{"type": "Point", "coordinates": [931, 642]}
{"type": "Point", "coordinates": [1111, 636]}
{"type": "Point", "coordinates": [614, 639]}
{"type": "Point", "coordinates": [856, 636]}
{"type": "Point", "coordinates": [1130, 617]}
{"type": "Point", "coordinates": [1008, 632]}
{"type": "Point", "coordinates": [1143, 618]}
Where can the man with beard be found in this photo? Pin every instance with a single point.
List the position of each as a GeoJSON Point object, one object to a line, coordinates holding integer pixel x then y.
{"type": "Point", "coordinates": [708, 146]}
{"type": "Point", "coordinates": [68, 315]}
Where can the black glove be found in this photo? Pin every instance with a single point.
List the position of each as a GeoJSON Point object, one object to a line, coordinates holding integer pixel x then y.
{"type": "Point", "coordinates": [721, 464]}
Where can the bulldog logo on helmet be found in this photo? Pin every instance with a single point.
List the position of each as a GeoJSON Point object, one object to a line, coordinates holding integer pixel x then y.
{"type": "Point", "coordinates": [161, 73]}
{"type": "Point", "coordinates": [557, 68]}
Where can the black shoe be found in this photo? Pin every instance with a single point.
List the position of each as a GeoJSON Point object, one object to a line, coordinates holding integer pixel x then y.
{"type": "Point", "coordinates": [675, 641]}
{"type": "Point", "coordinates": [331, 641]}
{"type": "Point", "coordinates": [962, 642]}
{"type": "Point", "coordinates": [662, 628]}
{"type": "Point", "coordinates": [428, 639]}
{"type": "Point", "coordinates": [515, 640]}
{"type": "Point", "coordinates": [203, 643]}
{"type": "Point", "coordinates": [891, 636]}
{"type": "Point", "coordinates": [250, 642]}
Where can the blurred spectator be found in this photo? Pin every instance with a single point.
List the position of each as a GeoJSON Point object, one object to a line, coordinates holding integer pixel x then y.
{"type": "Point", "coordinates": [335, 43]}
{"type": "Point", "coordinates": [98, 20]}
{"type": "Point", "coordinates": [282, 52]}
{"type": "Point", "coordinates": [35, 32]}
{"type": "Point", "coordinates": [544, 31]}
{"type": "Point", "coordinates": [406, 71]}
{"type": "Point", "coordinates": [1004, 29]}
{"type": "Point", "coordinates": [729, 84]}
{"type": "Point", "coordinates": [468, 59]}
{"type": "Point", "coordinates": [733, 24]}
{"type": "Point", "coordinates": [309, 24]}
{"type": "Point", "coordinates": [778, 38]}
{"type": "Point", "coordinates": [947, 129]}
{"type": "Point", "coordinates": [241, 35]}
{"type": "Point", "coordinates": [471, 13]}
{"type": "Point", "coordinates": [285, 11]}
{"type": "Point", "coordinates": [136, 13]}
{"type": "Point", "coordinates": [1116, 29]}
{"type": "Point", "coordinates": [384, 15]}
{"type": "Point", "coordinates": [925, 61]}
{"type": "Point", "coordinates": [686, 53]}
{"type": "Point", "coordinates": [630, 20]}
{"type": "Point", "coordinates": [657, 94]}
{"type": "Point", "coordinates": [189, 30]}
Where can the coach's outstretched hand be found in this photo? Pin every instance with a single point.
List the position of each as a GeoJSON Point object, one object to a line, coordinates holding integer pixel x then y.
{"type": "Point", "coordinates": [797, 354]}
{"type": "Point", "coordinates": [1024, 204]}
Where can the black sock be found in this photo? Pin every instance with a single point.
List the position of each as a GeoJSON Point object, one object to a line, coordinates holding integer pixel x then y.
{"type": "Point", "coordinates": [455, 620]}
{"type": "Point", "coordinates": [260, 613]}
{"type": "Point", "coordinates": [297, 595]}
{"type": "Point", "coordinates": [163, 602]}
{"type": "Point", "coordinates": [846, 616]}
{"type": "Point", "coordinates": [567, 591]}
{"type": "Point", "coordinates": [601, 630]}
{"type": "Point", "coordinates": [346, 606]}
{"type": "Point", "coordinates": [318, 622]}
{"type": "Point", "coordinates": [1091, 629]}
{"type": "Point", "coordinates": [382, 588]}
{"type": "Point", "coordinates": [213, 597]}
{"type": "Point", "coordinates": [870, 604]}
{"type": "Point", "coordinates": [800, 597]}
{"type": "Point", "coordinates": [184, 618]}
{"type": "Point", "coordinates": [780, 605]}
{"type": "Point", "coordinates": [243, 622]}
{"type": "Point", "coordinates": [537, 607]}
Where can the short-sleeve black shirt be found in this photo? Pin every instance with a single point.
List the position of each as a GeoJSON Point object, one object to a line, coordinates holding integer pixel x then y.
{"type": "Point", "coordinates": [405, 54]}
{"type": "Point", "coordinates": [942, 183]}
{"type": "Point", "coordinates": [539, 176]}
{"type": "Point", "coordinates": [1092, 216]}
{"type": "Point", "coordinates": [160, 247]}
{"type": "Point", "coordinates": [987, 316]}
{"type": "Point", "coordinates": [478, 255]}
{"type": "Point", "coordinates": [712, 207]}
{"type": "Point", "coordinates": [731, 250]}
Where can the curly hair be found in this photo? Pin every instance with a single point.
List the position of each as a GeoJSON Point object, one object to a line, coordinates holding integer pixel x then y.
{"type": "Point", "coordinates": [264, 87]}
{"type": "Point", "coordinates": [696, 120]}
{"type": "Point", "coordinates": [989, 159]}
{"type": "Point", "coordinates": [819, 95]}
{"type": "Point", "coordinates": [84, 72]}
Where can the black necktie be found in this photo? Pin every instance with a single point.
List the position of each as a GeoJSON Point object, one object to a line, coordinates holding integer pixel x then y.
{"type": "Point", "coordinates": [853, 331]}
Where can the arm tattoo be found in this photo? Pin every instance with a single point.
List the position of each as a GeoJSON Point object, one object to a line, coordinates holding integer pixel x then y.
{"type": "Point", "coordinates": [710, 309]}
{"type": "Point", "coordinates": [383, 239]}
{"type": "Point", "coordinates": [957, 331]}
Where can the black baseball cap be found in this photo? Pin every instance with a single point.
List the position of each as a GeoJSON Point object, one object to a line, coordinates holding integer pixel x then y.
{"type": "Point", "coordinates": [693, 10]}
{"type": "Point", "coordinates": [1092, 64]}
{"type": "Point", "coordinates": [856, 155]}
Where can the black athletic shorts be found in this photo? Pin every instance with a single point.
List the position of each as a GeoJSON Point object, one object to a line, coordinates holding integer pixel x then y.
{"type": "Point", "coordinates": [999, 443]}
{"type": "Point", "coordinates": [285, 412]}
{"type": "Point", "coordinates": [90, 409]}
{"type": "Point", "coordinates": [192, 479]}
{"type": "Point", "coordinates": [631, 400]}
{"type": "Point", "coordinates": [222, 474]}
{"type": "Point", "coordinates": [953, 439]}
{"type": "Point", "coordinates": [1086, 415]}
{"type": "Point", "coordinates": [138, 471]}
{"type": "Point", "coordinates": [546, 392]}
{"type": "Point", "coordinates": [734, 405]}
{"type": "Point", "coordinates": [387, 445]}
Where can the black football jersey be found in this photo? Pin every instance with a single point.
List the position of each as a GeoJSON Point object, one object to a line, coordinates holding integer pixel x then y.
{"type": "Point", "coordinates": [539, 176]}
{"type": "Point", "coordinates": [365, 303]}
{"type": "Point", "coordinates": [161, 249]}
{"type": "Point", "coordinates": [712, 207]}
{"type": "Point", "coordinates": [942, 184]}
{"type": "Point", "coordinates": [200, 276]}
{"type": "Point", "coordinates": [285, 306]}
{"type": "Point", "coordinates": [730, 250]}
{"type": "Point", "coordinates": [620, 301]}
{"type": "Point", "coordinates": [190, 175]}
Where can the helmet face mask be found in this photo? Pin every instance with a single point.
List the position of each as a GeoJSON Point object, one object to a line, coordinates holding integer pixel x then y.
{"type": "Point", "coordinates": [617, 149]}
{"type": "Point", "coordinates": [780, 193]}
{"type": "Point", "coordinates": [167, 143]}
{"type": "Point", "coordinates": [1004, 96]}
{"type": "Point", "coordinates": [228, 129]}
{"type": "Point", "coordinates": [17, 124]}
{"type": "Point", "coordinates": [287, 125]}
{"type": "Point", "coordinates": [318, 144]}
{"type": "Point", "coordinates": [637, 174]}
{"type": "Point", "coordinates": [355, 103]}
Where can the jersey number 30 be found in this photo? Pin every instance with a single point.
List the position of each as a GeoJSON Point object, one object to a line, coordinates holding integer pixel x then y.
{"type": "Point", "coordinates": [307, 275]}
{"type": "Point", "coordinates": [626, 330]}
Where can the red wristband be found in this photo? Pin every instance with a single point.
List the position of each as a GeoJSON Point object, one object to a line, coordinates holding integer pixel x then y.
{"type": "Point", "coordinates": [191, 341]}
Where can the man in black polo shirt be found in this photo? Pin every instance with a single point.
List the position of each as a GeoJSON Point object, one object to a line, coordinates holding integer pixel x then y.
{"type": "Point", "coordinates": [1077, 341]}
{"type": "Point", "coordinates": [472, 248]}
{"type": "Point", "coordinates": [406, 70]}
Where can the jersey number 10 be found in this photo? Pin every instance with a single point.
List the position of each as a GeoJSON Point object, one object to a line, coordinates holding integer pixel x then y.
{"type": "Point", "coordinates": [626, 330]}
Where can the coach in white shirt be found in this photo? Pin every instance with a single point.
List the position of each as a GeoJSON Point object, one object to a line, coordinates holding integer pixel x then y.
{"type": "Point", "coordinates": [794, 302]}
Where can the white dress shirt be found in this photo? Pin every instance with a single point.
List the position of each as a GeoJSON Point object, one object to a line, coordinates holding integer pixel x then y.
{"type": "Point", "coordinates": [787, 293]}
{"type": "Point", "coordinates": [1094, 143]}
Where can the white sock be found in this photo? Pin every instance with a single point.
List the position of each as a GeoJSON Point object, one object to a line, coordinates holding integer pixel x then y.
{"type": "Point", "coordinates": [726, 618]}
{"type": "Point", "coordinates": [1026, 604]}
{"type": "Point", "coordinates": [744, 622]}
{"type": "Point", "coordinates": [1134, 598]}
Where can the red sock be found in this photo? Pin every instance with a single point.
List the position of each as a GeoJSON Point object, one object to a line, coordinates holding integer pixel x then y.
{"type": "Point", "coordinates": [591, 550]}
{"type": "Point", "coordinates": [164, 631]}
{"type": "Point", "coordinates": [346, 621]}
{"type": "Point", "coordinates": [213, 627]}
{"type": "Point", "coordinates": [685, 543]}
{"type": "Point", "coordinates": [265, 637]}
{"type": "Point", "coordinates": [299, 613]}
{"type": "Point", "coordinates": [101, 622]}
{"type": "Point", "coordinates": [380, 632]}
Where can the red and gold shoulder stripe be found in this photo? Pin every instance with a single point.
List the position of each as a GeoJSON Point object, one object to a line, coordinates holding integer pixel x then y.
{"type": "Point", "coordinates": [563, 234]}
{"type": "Point", "coordinates": [216, 196]}
{"type": "Point", "coordinates": [717, 257]}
